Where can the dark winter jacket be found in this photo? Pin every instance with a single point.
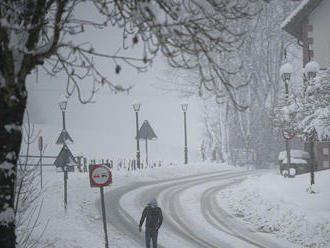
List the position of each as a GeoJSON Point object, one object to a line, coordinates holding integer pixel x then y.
{"type": "Point", "coordinates": [153, 216]}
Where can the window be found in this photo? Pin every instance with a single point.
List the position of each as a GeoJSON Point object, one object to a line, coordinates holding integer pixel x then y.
{"type": "Point", "coordinates": [325, 151]}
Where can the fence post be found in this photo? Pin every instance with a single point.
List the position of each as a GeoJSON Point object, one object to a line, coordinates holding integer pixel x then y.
{"type": "Point", "coordinates": [85, 164]}
{"type": "Point", "coordinates": [80, 163]}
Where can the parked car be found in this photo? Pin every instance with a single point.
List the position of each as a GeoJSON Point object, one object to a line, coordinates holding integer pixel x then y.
{"type": "Point", "coordinates": [299, 161]}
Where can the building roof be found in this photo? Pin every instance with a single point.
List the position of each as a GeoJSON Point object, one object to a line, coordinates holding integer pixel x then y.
{"type": "Point", "coordinates": [293, 23]}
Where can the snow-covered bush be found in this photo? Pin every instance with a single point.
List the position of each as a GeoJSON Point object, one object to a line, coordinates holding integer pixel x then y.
{"type": "Point", "coordinates": [313, 113]}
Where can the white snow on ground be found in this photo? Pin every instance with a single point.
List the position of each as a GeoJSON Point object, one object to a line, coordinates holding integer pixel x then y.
{"type": "Point", "coordinates": [283, 207]}
{"type": "Point", "coordinates": [81, 224]}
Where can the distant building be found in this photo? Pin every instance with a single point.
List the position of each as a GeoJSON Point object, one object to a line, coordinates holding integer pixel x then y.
{"type": "Point", "coordinates": [309, 23]}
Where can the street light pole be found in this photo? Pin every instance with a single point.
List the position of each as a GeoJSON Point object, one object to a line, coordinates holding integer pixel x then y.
{"type": "Point", "coordinates": [287, 144]}
{"type": "Point", "coordinates": [184, 109]}
{"type": "Point", "coordinates": [63, 118]}
{"type": "Point", "coordinates": [285, 72]}
{"type": "Point", "coordinates": [136, 107]}
{"type": "Point", "coordinates": [62, 104]}
{"type": "Point", "coordinates": [65, 186]}
{"type": "Point", "coordinates": [137, 140]}
{"type": "Point", "coordinates": [311, 70]}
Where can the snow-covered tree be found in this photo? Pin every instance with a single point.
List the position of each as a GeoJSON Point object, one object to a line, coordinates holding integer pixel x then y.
{"type": "Point", "coordinates": [307, 112]}
{"type": "Point", "coordinates": [313, 112]}
{"type": "Point", "coordinates": [39, 34]}
{"type": "Point", "coordinates": [262, 55]}
{"type": "Point", "coordinates": [258, 85]}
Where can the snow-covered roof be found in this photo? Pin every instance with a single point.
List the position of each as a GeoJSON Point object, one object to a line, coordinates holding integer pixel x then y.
{"type": "Point", "coordinates": [295, 161]}
{"type": "Point", "coordinates": [286, 68]}
{"type": "Point", "coordinates": [312, 66]}
{"type": "Point", "coordinates": [293, 23]}
{"type": "Point", "coordinates": [298, 154]}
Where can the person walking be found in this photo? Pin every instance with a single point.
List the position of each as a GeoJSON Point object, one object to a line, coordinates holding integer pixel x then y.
{"type": "Point", "coordinates": [154, 219]}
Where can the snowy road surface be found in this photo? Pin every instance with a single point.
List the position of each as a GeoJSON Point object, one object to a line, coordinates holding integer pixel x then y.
{"type": "Point", "coordinates": [192, 216]}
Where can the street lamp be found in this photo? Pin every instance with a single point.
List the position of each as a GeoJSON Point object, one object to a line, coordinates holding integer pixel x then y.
{"type": "Point", "coordinates": [310, 71]}
{"type": "Point", "coordinates": [184, 107]}
{"type": "Point", "coordinates": [62, 103]}
{"type": "Point", "coordinates": [136, 107]}
{"type": "Point", "coordinates": [285, 73]}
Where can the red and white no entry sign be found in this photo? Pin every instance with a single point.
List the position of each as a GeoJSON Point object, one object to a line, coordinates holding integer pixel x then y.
{"type": "Point", "coordinates": [100, 176]}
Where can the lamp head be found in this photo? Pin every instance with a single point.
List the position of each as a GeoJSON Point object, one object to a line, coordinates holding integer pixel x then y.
{"type": "Point", "coordinates": [286, 72]}
{"type": "Point", "coordinates": [311, 69]}
{"type": "Point", "coordinates": [62, 102]}
{"type": "Point", "coordinates": [137, 106]}
{"type": "Point", "coordinates": [184, 107]}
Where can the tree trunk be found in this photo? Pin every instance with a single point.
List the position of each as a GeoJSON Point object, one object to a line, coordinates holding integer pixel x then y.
{"type": "Point", "coordinates": [12, 106]}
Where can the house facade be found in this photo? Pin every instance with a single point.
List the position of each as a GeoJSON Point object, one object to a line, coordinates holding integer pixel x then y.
{"type": "Point", "coordinates": [309, 23]}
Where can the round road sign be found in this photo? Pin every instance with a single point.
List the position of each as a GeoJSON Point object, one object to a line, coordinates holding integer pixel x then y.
{"type": "Point", "coordinates": [100, 176]}
{"type": "Point", "coordinates": [287, 135]}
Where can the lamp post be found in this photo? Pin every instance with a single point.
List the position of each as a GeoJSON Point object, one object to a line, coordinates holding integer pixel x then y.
{"type": "Point", "coordinates": [136, 107]}
{"type": "Point", "coordinates": [62, 104]}
{"type": "Point", "coordinates": [310, 72]}
{"type": "Point", "coordinates": [285, 73]}
{"type": "Point", "coordinates": [65, 168]}
{"type": "Point", "coordinates": [184, 107]}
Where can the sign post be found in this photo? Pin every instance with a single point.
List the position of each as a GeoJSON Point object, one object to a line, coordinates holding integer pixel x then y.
{"type": "Point", "coordinates": [147, 133]}
{"type": "Point", "coordinates": [100, 176]}
{"type": "Point", "coordinates": [40, 146]}
{"type": "Point", "coordinates": [66, 162]}
{"type": "Point", "coordinates": [65, 168]}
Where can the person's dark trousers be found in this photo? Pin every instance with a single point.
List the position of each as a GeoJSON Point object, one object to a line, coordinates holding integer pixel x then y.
{"type": "Point", "coordinates": [151, 234]}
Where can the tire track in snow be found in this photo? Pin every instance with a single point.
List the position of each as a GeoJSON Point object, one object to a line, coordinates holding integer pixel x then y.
{"type": "Point", "coordinates": [172, 196]}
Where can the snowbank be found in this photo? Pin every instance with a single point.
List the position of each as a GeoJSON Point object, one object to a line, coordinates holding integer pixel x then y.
{"type": "Point", "coordinates": [283, 207]}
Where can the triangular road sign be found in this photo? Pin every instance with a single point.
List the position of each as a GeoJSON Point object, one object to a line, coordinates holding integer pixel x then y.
{"type": "Point", "coordinates": [146, 132]}
{"type": "Point", "coordinates": [64, 136]}
{"type": "Point", "coordinates": [65, 158]}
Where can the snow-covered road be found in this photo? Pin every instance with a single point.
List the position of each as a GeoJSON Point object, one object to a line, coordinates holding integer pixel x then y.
{"type": "Point", "coordinates": [192, 216]}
